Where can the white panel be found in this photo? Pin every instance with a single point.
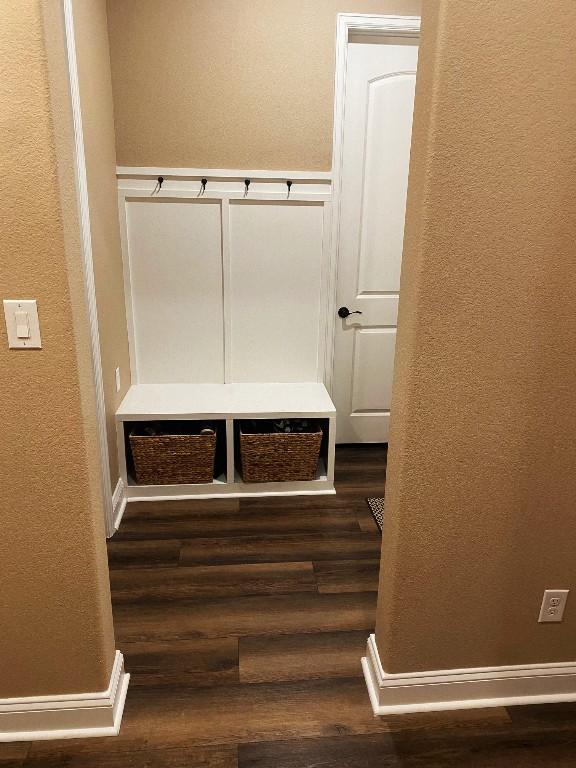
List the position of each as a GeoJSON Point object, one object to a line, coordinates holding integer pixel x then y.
{"type": "Point", "coordinates": [176, 279]}
{"type": "Point", "coordinates": [386, 161]}
{"type": "Point", "coordinates": [182, 401]}
{"type": "Point", "coordinates": [373, 369]}
{"type": "Point", "coordinates": [377, 310]}
{"type": "Point", "coordinates": [276, 266]}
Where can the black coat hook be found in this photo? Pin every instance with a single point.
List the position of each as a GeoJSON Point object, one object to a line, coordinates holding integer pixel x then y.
{"type": "Point", "coordinates": [203, 183]}
{"type": "Point", "coordinates": [247, 187]}
{"type": "Point", "coordinates": [289, 185]}
{"type": "Point", "coordinates": [158, 185]}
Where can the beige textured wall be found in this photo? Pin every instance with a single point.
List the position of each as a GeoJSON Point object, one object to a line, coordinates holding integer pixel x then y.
{"type": "Point", "coordinates": [482, 485]}
{"type": "Point", "coordinates": [228, 83]}
{"type": "Point", "coordinates": [99, 145]}
{"type": "Point", "coordinates": [55, 611]}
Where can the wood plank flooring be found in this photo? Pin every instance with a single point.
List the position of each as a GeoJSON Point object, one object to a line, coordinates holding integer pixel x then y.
{"type": "Point", "coordinates": [243, 623]}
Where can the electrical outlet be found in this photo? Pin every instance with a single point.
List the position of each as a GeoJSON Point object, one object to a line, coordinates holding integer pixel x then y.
{"type": "Point", "coordinates": [553, 605]}
{"type": "Point", "coordinates": [118, 382]}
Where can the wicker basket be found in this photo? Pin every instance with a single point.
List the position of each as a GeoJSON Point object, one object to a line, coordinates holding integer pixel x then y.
{"type": "Point", "coordinates": [173, 459]}
{"type": "Point", "coordinates": [279, 457]}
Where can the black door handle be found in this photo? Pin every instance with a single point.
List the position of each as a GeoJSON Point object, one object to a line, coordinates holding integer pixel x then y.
{"type": "Point", "coordinates": [343, 312]}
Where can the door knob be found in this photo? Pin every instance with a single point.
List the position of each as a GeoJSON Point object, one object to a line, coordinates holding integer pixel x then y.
{"type": "Point", "coordinates": [343, 312]}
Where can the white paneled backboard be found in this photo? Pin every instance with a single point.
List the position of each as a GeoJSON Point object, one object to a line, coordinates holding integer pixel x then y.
{"type": "Point", "coordinates": [276, 269]}
{"type": "Point", "coordinates": [373, 367]}
{"type": "Point", "coordinates": [385, 181]}
{"type": "Point", "coordinates": [175, 274]}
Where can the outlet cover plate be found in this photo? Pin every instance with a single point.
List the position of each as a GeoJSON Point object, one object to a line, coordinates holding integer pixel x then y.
{"type": "Point", "coordinates": [553, 605]}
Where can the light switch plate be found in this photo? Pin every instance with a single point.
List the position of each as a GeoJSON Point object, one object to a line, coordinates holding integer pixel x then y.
{"type": "Point", "coordinates": [15, 311]}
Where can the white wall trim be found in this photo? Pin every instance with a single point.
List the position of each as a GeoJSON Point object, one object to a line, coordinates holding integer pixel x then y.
{"type": "Point", "coordinates": [375, 24]}
{"type": "Point", "coordinates": [75, 715]}
{"type": "Point", "coordinates": [347, 24]}
{"type": "Point", "coordinates": [472, 688]}
{"type": "Point", "coordinates": [135, 172]}
{"type": "Point", "coordinates": [119, 502]}
{"type": "Point", "coordinates": [88, 265]}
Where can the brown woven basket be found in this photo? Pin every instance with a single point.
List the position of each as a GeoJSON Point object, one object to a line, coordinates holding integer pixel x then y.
{"type": "Point", "coordinates": [279, 457]}
{"type": "Point", "coordinates": [173, 459]}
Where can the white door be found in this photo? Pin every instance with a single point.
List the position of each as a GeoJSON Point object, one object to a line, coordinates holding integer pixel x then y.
{"type": "Point", "coordinates": [378, 104]}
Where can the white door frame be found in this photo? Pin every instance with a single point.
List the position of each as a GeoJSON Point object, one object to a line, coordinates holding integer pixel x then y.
{"type": "Point", "coordinates": [88, 264]}
{"type": "Point", "coordinates": [360, 24]}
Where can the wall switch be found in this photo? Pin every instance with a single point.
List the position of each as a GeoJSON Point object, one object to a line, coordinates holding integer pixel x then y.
{"type": "Point", "coordinates": [553, 605]}
{"type": "Point", "coordinates": [22, 324]}
{"type": "Point", "coordinates": [118, 381]}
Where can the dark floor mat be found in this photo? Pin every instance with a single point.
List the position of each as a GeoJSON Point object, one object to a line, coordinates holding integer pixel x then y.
{"type": "Point", "coordinates": [376, 505]}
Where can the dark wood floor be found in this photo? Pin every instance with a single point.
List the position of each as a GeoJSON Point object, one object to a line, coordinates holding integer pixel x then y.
{"type": "Point", "coordinates": [243, 624]}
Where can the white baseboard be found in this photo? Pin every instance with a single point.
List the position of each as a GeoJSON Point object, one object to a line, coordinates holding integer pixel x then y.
{"type": "Point", "coordinates": [466, 688]}
{"type": "Point", "coordinates": [119, 502]}
{"type": "Point", "coordinates": [76, 715]}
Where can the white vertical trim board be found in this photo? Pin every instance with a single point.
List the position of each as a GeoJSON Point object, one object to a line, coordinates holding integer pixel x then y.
{"type": "Point", "coordinates": [507, 686]}
{"type": "Point", "coordinates": [87, 263]}
{"type": "Point", "coordinates": [76, 715]}
{"type": "Point", "coordinates": [327, 301]}
{"type": "Point", "coordinates": [230, 461]}
{"type": "Point", "coordinates": [226, 289]}
{"type": "Point", "coordinates": [128, 306]}
{"type": "Point", "coordinates": [119, 502]}
{"type": "Point", "coordinates": [349, 24]}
